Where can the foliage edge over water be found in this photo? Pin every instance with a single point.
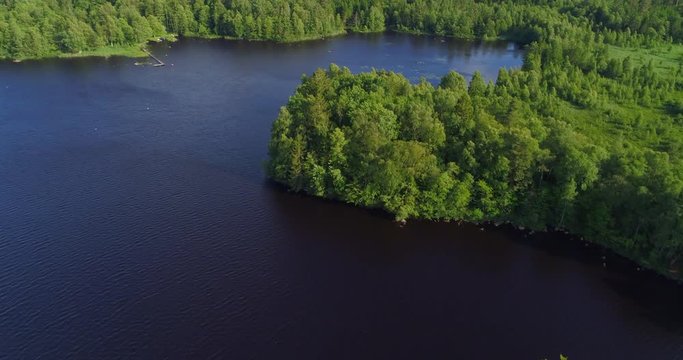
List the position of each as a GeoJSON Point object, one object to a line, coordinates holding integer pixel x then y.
{"type": "Point", "coordinates": [479, 152]}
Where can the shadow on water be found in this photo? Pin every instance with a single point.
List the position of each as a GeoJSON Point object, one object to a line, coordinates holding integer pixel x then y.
{"type": "Point", "coordinates": [487, 251]}
{"type": "Point", "coordinates": [655, 297]}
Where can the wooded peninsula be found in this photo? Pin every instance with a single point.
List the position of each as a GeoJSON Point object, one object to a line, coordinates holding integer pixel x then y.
{"type": "Point", "coordinates": [586, 137]}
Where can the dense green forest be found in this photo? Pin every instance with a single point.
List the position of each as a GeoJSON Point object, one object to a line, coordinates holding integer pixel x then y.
{"type": "Point", "coordinates": [583, 138]}
{"type": "Point", "coordinates": [42, 28]}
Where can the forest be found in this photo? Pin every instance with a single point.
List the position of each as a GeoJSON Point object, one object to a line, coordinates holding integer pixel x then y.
{"type": "Point", "coordinates": [46, 28]}
{"type": "Point", "coordinates": [581, 139]}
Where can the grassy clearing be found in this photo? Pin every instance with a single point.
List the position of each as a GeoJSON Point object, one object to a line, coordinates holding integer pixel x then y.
{"type": "Point", "coordinates": [640, 126]}
{"type": "Point", "coordinates": [665, 58]}
{"type": "Point", "coordinates": [133, 51]}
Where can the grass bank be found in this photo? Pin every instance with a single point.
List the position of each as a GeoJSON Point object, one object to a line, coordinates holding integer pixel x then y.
{"type": "Point", "coordinates": [131, 51]}
{"type": "Point", "coordinates": [664, 58]}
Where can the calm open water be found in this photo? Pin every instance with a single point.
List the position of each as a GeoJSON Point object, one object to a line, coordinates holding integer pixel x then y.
{"type": "Point", "coordinates": [136, 222]}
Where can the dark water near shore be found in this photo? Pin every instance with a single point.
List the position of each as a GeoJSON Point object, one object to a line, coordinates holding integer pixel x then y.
{"type": "Point", "coordinates": [136, 222]}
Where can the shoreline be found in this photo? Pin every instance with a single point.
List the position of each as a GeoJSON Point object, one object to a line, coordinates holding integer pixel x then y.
{"type": "Point", "coordinates": [627, 262]}
{"type": "Point", "coordinates": [137, 51]}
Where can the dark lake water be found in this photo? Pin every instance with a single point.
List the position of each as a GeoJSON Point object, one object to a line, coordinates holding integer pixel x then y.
{"type": "Point", "coordinates": [136, 222]}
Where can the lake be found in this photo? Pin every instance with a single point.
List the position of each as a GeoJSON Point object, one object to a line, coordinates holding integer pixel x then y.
{"type": "Point", "coordinates": [136, 222]}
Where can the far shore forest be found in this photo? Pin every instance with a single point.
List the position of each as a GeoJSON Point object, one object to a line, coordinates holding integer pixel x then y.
{"type": "Point", "coordinates": [585, 137]}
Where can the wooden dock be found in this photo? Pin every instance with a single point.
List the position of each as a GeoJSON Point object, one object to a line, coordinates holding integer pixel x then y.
{"type": "Point", "coordinates": [159, 62]}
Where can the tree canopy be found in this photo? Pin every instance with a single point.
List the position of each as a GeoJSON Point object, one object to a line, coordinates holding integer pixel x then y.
{"type": "Point", "coordinates": [41, 28]}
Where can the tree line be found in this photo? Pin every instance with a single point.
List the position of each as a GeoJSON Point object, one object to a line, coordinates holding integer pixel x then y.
{"type": "Point", "coordinates": [39, 28]}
